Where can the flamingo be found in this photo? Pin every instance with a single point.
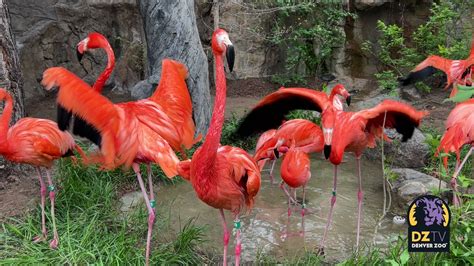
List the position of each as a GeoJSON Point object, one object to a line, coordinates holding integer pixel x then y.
{"type": "Point", "coordinates": [459, 132]}
{"type": "Point", "coordinates": [457, 71]}
{"type": "Point", "coordinates": [37, 142]}
{"type": "Point", "coordinates": [264, 137]}
{"type": "Point", "coordinates": [295, 172]}
{"type": "Point", "coordinates": [343, 131]}
{"type": "Point", "coordinates": [224, 177]}
{"type": "Point", "coordinates": [171, 94]}
{"type": "Point", "coordinates": [131, 133]}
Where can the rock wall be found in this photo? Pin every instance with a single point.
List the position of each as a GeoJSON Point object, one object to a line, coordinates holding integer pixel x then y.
{"type": "Point", "coordinates": [47, 32]}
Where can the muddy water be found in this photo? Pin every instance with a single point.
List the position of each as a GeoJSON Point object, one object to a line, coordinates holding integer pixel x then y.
{"type": "Point", "coordinates": [263, 229]}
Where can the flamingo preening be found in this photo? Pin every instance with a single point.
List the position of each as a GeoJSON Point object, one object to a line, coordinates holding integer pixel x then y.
{"type": "Point", "coordinates": [459, 132]}
{"type": "Point", "coordinates": [37, 142]}
{"type": "Point", "coordinates": [224, 177]}
{"type": "Point", "coordinates": [136, 132]}
{"type": "Point", "coordinates": [457, 71]}
{"type": "Point", "coordinates": [343, 131]}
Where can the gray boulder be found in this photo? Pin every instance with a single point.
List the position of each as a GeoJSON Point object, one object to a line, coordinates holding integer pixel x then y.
{"type": "Point", "coordinates": [411, 154]}
{"type": "Point", "coordinates": [171, 32]}
{"type": "Point", "coordinates": [411, 184]}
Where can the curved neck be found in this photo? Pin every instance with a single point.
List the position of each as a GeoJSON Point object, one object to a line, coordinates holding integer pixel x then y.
{"type": "Point", "coordinates": [211, 144]}
{"type": "Point", "coordinates": [104, 76]}
{"type": "Point", "coordinates": [5, 120]}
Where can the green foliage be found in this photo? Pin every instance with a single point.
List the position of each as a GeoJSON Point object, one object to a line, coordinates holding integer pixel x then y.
{"type": "Point", "coordinates": [228, 137]}
{"type": "Point", "coordinates": [309, 31]}
{"type": "Point", "coordinates": [91, 228]}
{"type": "Point", "coordinates": [444, 34]}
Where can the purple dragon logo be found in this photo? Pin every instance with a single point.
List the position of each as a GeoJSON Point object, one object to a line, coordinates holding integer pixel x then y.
{"type": "Point", "coordinates": [433, 210]}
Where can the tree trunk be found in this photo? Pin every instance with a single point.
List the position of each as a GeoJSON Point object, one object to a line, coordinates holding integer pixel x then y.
{"type": "Point", "coordinates": [11, 77]}
{"type": "Point", "coordinates": [171, 32]}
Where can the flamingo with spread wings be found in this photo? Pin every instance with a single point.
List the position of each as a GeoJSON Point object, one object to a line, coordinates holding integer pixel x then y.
{"type": "Point", "coordinates": [459, 132]}
{"type": "Point", "coordinates": [37, 142]}
{"type": "Point", "coordinates": [457, 71]}
{"type": "Point", "coordinates": [131, 133]}
{"type": "Point", "coordinates": [343, 131]}
{"type": "Point", "coordinates": [224, 177]}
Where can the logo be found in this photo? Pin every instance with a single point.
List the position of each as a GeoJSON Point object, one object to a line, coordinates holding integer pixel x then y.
{"type": "Point", "coordinates": [428, 225]}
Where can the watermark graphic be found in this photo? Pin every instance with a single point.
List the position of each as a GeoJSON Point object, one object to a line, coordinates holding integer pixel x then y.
{"type": "Point", "coordinates": [428, 225]}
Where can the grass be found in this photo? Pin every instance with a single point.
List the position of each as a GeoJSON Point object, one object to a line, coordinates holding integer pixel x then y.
{"type": "Point", "coordinates": [91, 228]}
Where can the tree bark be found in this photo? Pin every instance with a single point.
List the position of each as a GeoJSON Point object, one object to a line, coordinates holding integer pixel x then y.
{"type": "Point", "coordinates": [11, 77]}
{"type": "Point", "coordinates": [171, 32]}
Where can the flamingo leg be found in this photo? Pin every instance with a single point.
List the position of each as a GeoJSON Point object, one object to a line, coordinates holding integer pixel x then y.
{"type": "Point", "coordinates": [454, 184]}
{"type": "Point", "coordinates": [226, 235]}
{"type": "Point", "coordinates": [238, 244]}
{"type": "Point", "coordinates": [333, 202]}
{"type": "Point", "coordinates": [52, 194]}
{"type": "Point", "coordinates": [43, 235]}
{"type": "Point", "coordinates": [150, 184]}
{"type": "Point", "coordinates": [271, 172]}
{"type": "Point", "coordinates": [282, 186]}
{"type": "Point", "coordinates": [151, 212]}
{"type": "Point", "coordinates": [303, 211]}
{"type": "Point", "coordinates": [360, 197]}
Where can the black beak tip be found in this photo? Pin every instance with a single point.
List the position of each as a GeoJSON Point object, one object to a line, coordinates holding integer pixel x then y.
{"type": "Point", "coordinates": [79, 55]}
{"type": "Point", "coordinates": [327, 151]}
{"type": "Point", "coordinates": [230, 55]}
{"type": "Point", "coordinates": [277, 154]}
{"type": "Point", "coordinates": [348, 100]}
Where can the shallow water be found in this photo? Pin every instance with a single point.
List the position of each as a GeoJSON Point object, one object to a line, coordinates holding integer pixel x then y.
{"type": "Point", "coordinates": [263, 228]}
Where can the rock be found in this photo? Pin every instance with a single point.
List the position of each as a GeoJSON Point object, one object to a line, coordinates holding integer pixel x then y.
{"type": "Point", "coordinates": [412, 154]}
{"type": "Point", "coordinates": [411, 184]}
{"type": "Point", "coordinates": [3, 185]}
{"type": "Point", "coordinates": [13, 179]}
{"type": "Point", "coordinates": [366, 4]}
{"type": "Point", "coordinates": [48, 31]}
{"type": "Point", "coordinates": [171, 28]}
{"type": "Point", "coordinates": [410, 93]}
{"type": "Point", "coordinates": [130, 200]}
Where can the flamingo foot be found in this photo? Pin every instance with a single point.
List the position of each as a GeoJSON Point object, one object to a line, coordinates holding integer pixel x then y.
{"type": "Point", "coordinates": [40, 238]}
{"type": "Point", "coordinates": [54, 243]}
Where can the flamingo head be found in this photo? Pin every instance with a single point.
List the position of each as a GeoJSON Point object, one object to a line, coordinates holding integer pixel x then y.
{"type": "Point", "coordinates": [327, 122]}
{"type": "Point", "coordinates": [339, 89]}
{"type": "Point", "coordinates": [93, 41]}
{"type": "Point", "coordinates": [221, 44]}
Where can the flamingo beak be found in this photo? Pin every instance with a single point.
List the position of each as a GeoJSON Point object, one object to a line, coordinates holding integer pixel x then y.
{"type": "Point", "coordinates": [230, 55]}
{"type": "Point", "coordinates": [348, 100]}
{"type": "Point", "coordinates": [79, 55]}
{"type": "Point", "coordinates": [276, 153]}
{"type": "Point", "coordinates": [327, 151]}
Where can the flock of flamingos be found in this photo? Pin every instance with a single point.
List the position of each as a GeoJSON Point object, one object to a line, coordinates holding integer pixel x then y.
{"type": "Point", "coordinates": [224, 177]}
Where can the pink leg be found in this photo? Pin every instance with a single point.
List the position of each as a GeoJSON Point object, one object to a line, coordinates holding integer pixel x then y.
{"type": "Point", "coordinates": [238, 244]}
{"type": "Point", "coordinates": [43, 235]}
{"type": "Point", "coordinates": [360, 197]}
{"type": "Point", "coordinates": [271, 172]}
{"type": "Point", "coordinates": [226, 235]}
{"type": "Point", "coordinates": [52, 194]}
{"type": "Point", "coordinates": [303, 211]}
{"type": "Point", "coordinates": [333, 202]}
{"type": "Point", "coordinates": [454, 184]}
{"type": "Point", "coordinates": [151, 213]}
{"type": "Point", "coordinates": [282, 186]}
{"type": "Point", "coordinates": [150, 184]}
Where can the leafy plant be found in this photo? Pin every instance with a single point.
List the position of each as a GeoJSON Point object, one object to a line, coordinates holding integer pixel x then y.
{"type": "Point", "coordinates": [445, 34]}
{"type": "Point", "coordinates": [310, 31]}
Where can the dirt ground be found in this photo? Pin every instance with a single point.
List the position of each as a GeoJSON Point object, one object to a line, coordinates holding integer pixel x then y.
{"type": "Point", "coordinates": [18, 194]}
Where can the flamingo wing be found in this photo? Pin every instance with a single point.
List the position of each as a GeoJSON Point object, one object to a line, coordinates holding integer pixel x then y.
{"type": "Point", "coordinates": [393, 114]}
{"type": "Point", "coordinates": [295, 168]}
{"type": "Point", "coordinates": [264, 138]}
{"type": "Point", "coordinates": [77, 97]}
{"type": "Point", "coordinates": [173, 95]}
{"type": "Point", "coordinates": [428, 67]}
{"type": "Point", "coordinates": [271, 110]}
{"type": "Point", "coordinates": [243, 169]}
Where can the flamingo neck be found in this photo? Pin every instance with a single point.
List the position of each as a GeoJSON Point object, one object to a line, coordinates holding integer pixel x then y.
{"type": "Point", "coordinates": [5, 119]}
{"type": "Point", "coordinates": [104, 76]}
{"type": "Point", "coordinates": [211, 144]}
